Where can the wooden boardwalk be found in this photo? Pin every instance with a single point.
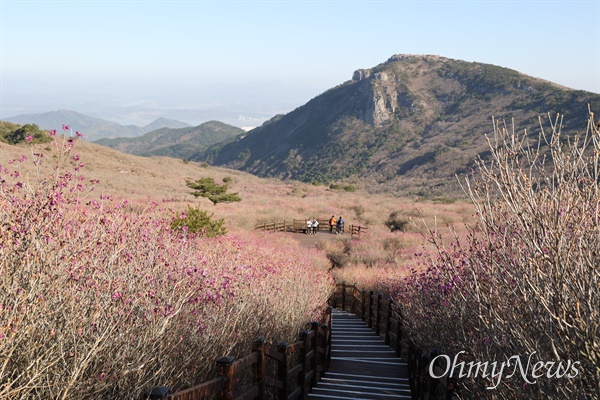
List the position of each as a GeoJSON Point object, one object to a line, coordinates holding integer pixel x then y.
{"type": "Point", "coordinates": [340, 357]}
{"type": "Point", "coordinates": [362, 365]}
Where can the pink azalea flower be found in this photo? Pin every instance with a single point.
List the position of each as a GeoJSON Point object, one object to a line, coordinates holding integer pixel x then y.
{"type": "Point", "coordinates": [78, 134]}
{"type": "Point", "coordinates": [52, 132]}
{"type": "Point", "coordinates": [66, 127]}
{"type": "Point", "coordinates": [28, 138]}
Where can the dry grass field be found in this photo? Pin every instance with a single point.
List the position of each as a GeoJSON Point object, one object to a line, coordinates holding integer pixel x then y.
{"type": "Point", "coordinates": [162, 180]}
{"type": "Point", "coordinates": [533, 257]}
{"type": "Point", "coordinates": [89, 262]}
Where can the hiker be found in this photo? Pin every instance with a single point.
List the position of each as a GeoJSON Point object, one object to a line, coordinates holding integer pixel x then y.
{"type": "Point", "coordinates": [332, 223]}
{"type": "Point", "coordinates": [340, 225]}
{"type": "Point", "coordinates": [315, 226]}
{"type": "Point", "coordinates": [308, 226]}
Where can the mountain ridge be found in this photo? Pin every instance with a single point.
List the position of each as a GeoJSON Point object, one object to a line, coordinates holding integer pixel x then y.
{"type": "Point", "coordinates": [93, 128]}
{"type": "Point", "coordinates": [178, 143]}
{"type": "Point", "coordinates": [407, 125]}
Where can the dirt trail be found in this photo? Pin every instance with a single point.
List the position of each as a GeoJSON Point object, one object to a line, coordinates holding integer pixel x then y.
{"type": "Point", "coordinates": [312, 240]}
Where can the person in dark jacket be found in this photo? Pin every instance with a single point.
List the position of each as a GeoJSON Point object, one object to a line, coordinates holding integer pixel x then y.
{"type": "Point", "coordinates": [340, 225]}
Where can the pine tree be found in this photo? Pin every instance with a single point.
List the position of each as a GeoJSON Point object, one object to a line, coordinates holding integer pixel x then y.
{"type": "Point", "coordinates": [206, 187]}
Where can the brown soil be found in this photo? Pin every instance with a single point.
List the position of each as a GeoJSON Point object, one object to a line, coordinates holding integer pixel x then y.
{"type": "Point", "coordinates": [312, 240]}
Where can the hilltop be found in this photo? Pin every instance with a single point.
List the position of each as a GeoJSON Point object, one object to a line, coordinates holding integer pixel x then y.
{"type": "Point", "coordinates": [179, 143]}
{"type": "Point", "coordinates": [406, 126]}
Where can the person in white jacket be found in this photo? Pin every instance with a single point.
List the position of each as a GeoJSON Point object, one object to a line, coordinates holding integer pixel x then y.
{"type": "Point", "coordinates": [315, 226]}
{"type": "Point", "coordinates": [308, 226]}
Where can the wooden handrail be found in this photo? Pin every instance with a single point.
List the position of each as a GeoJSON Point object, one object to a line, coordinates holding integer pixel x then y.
{"type": "Point", "coordinates": [293, 380]}
{"type": "Point", "coordinates": [299, 225]}
{"type": "Point", "coordinates": [383, 315]}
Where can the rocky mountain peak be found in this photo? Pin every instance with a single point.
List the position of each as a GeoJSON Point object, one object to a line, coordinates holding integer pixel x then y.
{"type": "Point", "coordinates": [407, 125]}
{"type": "Point", "coordinates": [386, 95]}
{"type": "Point", "coordinates": [361, 74]}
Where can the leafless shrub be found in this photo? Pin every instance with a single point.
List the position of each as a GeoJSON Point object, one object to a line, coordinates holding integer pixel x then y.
{"type": "Point", "coordinates": [396, 223]}
{"type": "Point", "coordinates": [526, 281]}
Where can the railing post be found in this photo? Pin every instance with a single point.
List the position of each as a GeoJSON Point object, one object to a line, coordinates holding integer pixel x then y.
{"type": "Point", "coordinates": [378, 319]}
{"type": "Point", "coordinates": [417, 373]}
{"type": "Point", "coordinates": [344, 296]}
{"type": "Point", "coordinates": [225, 370]}
{"type": "Point", "coordinates": [329, 332]}
{"type": "Point", "coordinates": [414, 356]}
{"type": "Point", "coordinates": [282, 373]}
{"type": "Point", "coordinates": [363, 305]}
{"type": "Point", "coordinates": [335, 296]}
{"type": "Point", "coordinates": [423, 363]}
{"type": "Point", "coordinates": [305, 350]}
{"type": "Point", "coordinates": [370, 322]}
{"type": "Point", "coordinates": [315, 349]}
{"type": "Point", "coordinates": [427, 380]}
{"type": "Point", "coordinates": [259, 371]}
{"type": "Point", "coordinates": [353, 306]}
{"type": "Point", "coordinates": [322, 345]}
{"type": "Point", "coordinates": [398, 336]}
{"type": "Point", "coordinates": [388, 322]}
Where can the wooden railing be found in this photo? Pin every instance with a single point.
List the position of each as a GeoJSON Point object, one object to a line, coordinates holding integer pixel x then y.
{"type": "Point", "coordinates": [286, 372]}
{"type": "Point", "coordinates": [299, 225]}
{"type": "Point", "coordinates": [356, 229]}
{"type": "Point", "coordinates": [280, 226]}
{"type": "Point", "coordinates": [383, 316]}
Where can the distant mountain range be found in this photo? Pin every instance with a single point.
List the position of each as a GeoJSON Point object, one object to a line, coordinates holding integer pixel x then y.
{"type": "Point", "coordinates": [182, 143]}
{"type": "Point", "coordinates": [240, 104]}
{"type": "Point", "coordinates": [406, 126]}
{"type": "Point", "coordinates": [92, 128]}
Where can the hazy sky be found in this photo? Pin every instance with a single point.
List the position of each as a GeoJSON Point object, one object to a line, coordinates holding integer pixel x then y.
{"type": "Point", "coordinates": [305, 46]}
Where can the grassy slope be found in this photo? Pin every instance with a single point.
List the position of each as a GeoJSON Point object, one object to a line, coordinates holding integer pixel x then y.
{"type": "Point", "coordinates": [162, 179]}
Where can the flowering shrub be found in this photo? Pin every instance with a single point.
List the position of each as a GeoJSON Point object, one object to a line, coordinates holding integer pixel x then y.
{"type": "Point", "coordinates": [526, 280]}
{"type": "Point", "coordinates": [373, 260]}
{"type": "Point", "coordinates": [102, 299]}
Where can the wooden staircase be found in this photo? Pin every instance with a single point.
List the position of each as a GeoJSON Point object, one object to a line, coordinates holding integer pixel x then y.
{"type": "Point", "coordinates": [362, 365]}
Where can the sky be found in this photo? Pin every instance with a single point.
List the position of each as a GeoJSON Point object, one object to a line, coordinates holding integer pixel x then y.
{"type": "Point", "coordinates": [278, 51]}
